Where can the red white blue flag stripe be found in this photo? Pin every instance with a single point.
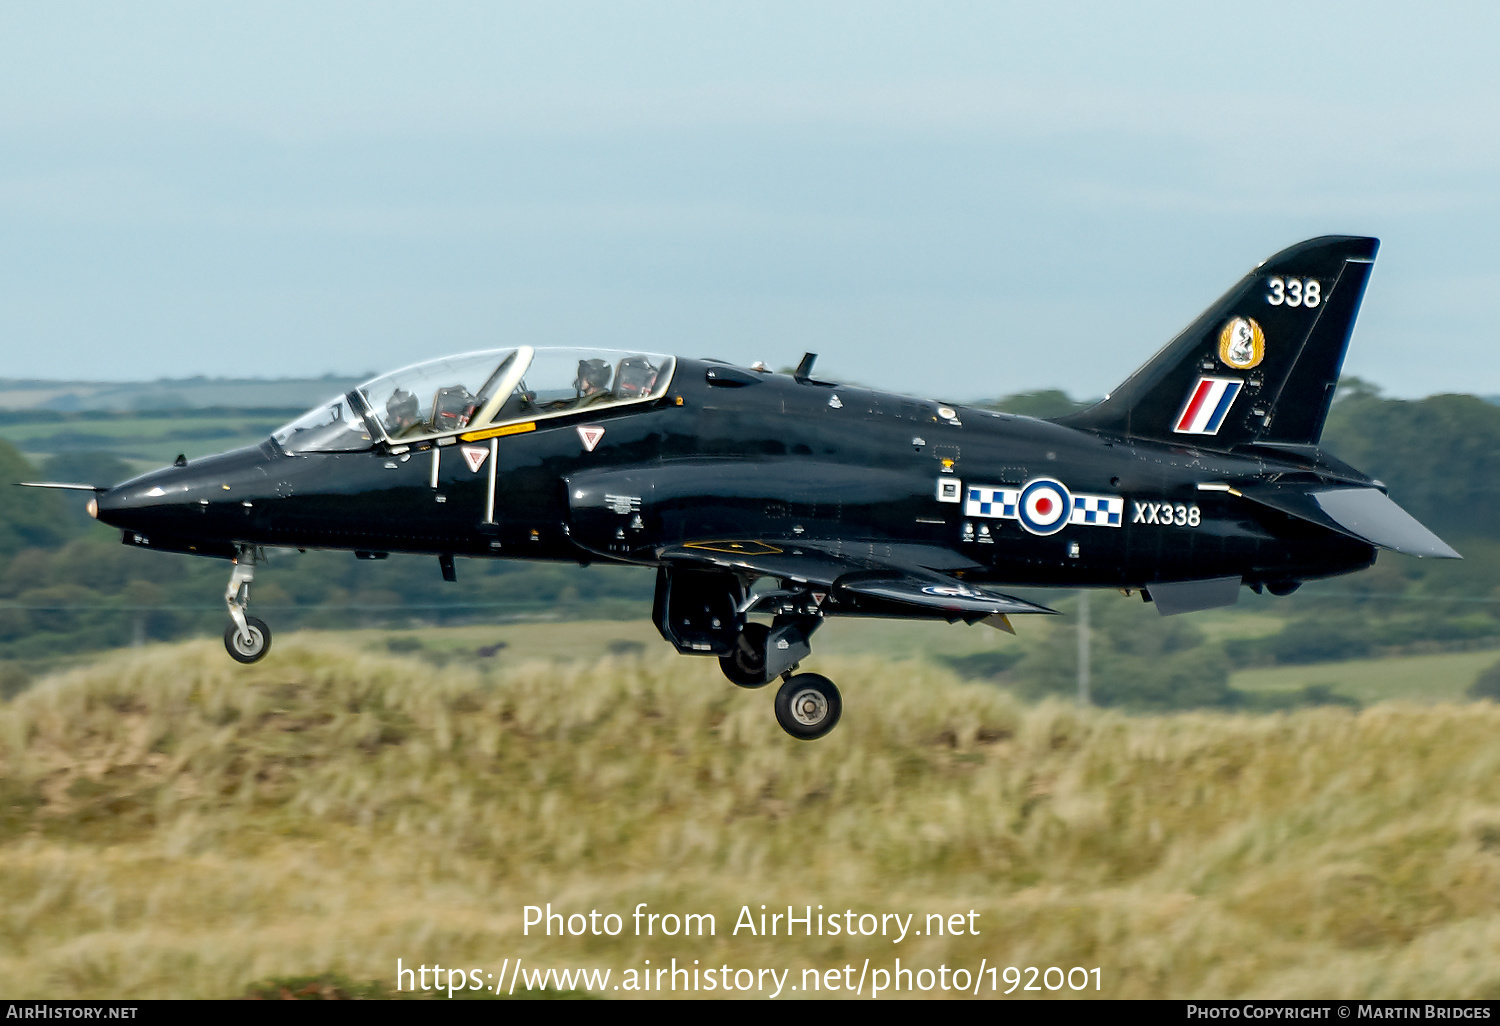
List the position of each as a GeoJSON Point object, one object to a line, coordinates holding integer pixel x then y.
{"type": "Point", "coordinates": [1207, 405]}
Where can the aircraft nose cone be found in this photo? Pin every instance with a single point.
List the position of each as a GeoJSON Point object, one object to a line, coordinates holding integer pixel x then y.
{"type": "Point", "coordinates": [134, 503]}
{"type": "Point", "coordinates": [106, 506]}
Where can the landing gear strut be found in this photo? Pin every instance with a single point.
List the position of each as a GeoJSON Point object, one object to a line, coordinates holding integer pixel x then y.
{"type": "Point", "coordinates": [247, 638]}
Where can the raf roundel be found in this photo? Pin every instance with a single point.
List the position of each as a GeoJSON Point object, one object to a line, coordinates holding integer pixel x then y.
{"type": "Point", "coordinates": [1044, 506]}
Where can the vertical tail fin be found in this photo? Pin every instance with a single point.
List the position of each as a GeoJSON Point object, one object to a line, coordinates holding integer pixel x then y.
{"type": "Point", "coordinates": [1260, 365]}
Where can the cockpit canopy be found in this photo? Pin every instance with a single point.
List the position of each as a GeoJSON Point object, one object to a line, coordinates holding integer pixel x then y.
{"type": "Point", "coordinates": [477, 390]}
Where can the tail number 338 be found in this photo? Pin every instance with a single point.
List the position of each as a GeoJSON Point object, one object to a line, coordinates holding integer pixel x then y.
{"type": "Point", "coordinates": [1306, 292]}
{"type": "Point", "coordinates": [1168, 514]}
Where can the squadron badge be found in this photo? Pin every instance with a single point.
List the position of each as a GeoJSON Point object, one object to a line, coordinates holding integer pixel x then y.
{"type": "Point", "coordinates": [1242, 345]}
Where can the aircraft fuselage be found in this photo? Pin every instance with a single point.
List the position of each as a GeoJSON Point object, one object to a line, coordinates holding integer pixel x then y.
{"type": "Point", "coordinates": [756, 456]}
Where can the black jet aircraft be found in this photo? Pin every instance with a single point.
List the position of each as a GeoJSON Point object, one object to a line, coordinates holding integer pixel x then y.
{"type": "Point", "coordinates": [791, 499]}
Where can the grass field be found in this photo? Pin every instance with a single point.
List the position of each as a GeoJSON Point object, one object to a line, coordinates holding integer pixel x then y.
{"type": "Point", "coordinates": [173, 824]}
{"type": "Point", "coordinates": [1440, 677]}
{"type": "Point", "coordinates": [1434, 677]}
{"type": "Point", "coordinates": [590, 640]}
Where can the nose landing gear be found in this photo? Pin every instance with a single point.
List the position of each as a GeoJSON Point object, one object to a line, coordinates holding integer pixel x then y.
{"type": "Point", "coordinates": [251, 645]}
{"type": "Point", "coordinates": [247, 639]}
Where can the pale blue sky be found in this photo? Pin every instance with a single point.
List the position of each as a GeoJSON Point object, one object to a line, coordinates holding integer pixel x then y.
{"type": "Point", "coordinates": [947, 198]}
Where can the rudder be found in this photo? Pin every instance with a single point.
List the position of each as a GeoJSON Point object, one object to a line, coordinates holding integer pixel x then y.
{"type": "Point", "coordinates": [1259, 365]}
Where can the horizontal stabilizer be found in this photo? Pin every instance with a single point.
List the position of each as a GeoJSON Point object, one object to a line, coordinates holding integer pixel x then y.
{"type": "Point", "coordinates": [1367, 514]}
{"type": "Point", "coordinates": [931, 591]}
{"type": "Point", "coordinates": [1370, 514]}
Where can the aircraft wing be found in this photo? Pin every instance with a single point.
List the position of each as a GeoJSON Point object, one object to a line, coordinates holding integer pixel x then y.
{"type": "Point", "coordinates": [861, 574]}
{"type": "Point", "coordinates": [815, 562]}
{"type": "Point", "coordinates": [909, 587]}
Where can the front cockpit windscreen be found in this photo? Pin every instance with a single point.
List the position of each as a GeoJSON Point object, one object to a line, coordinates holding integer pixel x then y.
{"type": "Point", "coordinates": [478, 390]}
{"type": "Point", "coordinates": [333, 427]}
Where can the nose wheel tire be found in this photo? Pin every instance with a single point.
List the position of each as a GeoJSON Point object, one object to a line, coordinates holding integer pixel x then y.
{"type": "Point", "coordinates": [251, 646]}
{"type": "Point", "coordinates": [746, 665]}
{"type": "Point", "coordinates": [808, 706]}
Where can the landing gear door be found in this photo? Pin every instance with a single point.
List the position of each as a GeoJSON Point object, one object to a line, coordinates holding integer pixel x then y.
{"type": "Point", "coordinates": [698, 611]}
{"type": "Point", "coordinates": [609, 512]}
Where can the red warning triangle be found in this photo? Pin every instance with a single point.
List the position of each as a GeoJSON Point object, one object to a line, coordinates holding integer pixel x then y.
{"type": "Point", "coordinates": [474, 456]}
{"type": "Point", "coordinates": [590, 433]}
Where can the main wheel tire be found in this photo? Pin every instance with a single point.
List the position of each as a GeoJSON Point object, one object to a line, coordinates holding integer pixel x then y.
{"type": "Point", "coordinates": [249, 649]}
{"type": "Point", "coordinates": [746, 665]}
{"type": "Point", "coordinates": [808, 706]}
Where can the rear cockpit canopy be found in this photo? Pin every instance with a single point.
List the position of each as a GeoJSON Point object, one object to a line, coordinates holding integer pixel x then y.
{"type": "Point", "coordinates": [475, 391]}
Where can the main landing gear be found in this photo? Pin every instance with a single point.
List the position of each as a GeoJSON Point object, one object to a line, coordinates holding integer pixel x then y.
{"type": "Point", "coordinates": [808, 705]}
{"type": "Point", "coordinates": [247, 638]}
{"type": "Point", "coordinates": [745, 665]}
{"type": "Point", "coordinates": [703, 612]}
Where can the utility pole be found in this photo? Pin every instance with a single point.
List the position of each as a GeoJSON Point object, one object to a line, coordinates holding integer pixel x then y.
{"type": "Point", "coordinates": [1083, 648]}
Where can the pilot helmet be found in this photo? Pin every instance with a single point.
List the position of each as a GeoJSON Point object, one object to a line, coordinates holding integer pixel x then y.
{"type": "Point", "coordinates": [401, 407]}
{"type": "Point", "coordinates": [593, 376]}
{"type": "Point", "coordinates": [451, 407]}
{"type": "Point", "coordinates": [637, 377]}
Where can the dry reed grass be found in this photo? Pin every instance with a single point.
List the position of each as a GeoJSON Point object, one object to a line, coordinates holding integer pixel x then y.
{"type": "Point", "coordinates": [173, 824]}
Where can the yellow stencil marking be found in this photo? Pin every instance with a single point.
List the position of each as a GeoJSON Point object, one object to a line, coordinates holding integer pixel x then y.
{"type": "Point", "coordinates": [499, 432]}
